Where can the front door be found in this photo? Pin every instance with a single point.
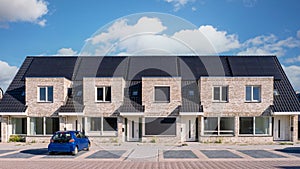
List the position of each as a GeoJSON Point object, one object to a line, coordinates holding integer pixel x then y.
{"type": "Point", "coordinates": [281, 128]}
{"type": "Point", "coordinates": [188, 128]}
{"type": "Point", "coordinates": [133, 131]}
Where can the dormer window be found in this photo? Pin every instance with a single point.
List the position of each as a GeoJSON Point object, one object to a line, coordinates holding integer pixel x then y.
{"type": "Point", "coordinates": [103, 94]}
{"type": "Point", "coordinates": [275, 92]}
{"type": "Point", "coordinates": [45, 94]}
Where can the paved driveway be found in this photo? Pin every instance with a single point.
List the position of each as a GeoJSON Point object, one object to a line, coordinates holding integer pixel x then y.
{"type": "Point", "coordinates": [155, 156]}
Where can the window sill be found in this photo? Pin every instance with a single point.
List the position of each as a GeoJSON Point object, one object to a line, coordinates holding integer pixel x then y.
{"type": "Point", "coordinates": [159, 135]}
{"type": "Point", "coordinates": [252, 101]}
{"type": "Point", "coordinates": [102, 101]}
{"type": "Point", "coordinates": [45, 101]}
{"type": "Point", "coordinates": [218, 135]}
{"type": "Point", "coordinates": [216, 101]}
{"type": "Point", "coordinates": [161, 102]}
{"type": "Point", "coordinates": [255, 135]}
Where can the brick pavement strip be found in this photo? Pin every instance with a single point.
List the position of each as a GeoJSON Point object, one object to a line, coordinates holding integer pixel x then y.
{"type": "Point", "coordinates": [8, 164]}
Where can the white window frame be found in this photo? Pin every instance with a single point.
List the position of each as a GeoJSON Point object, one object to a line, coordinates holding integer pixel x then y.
{"type": "Point", "coordinates": [254, 128]}
{"type": "Point", "coordinates": [219, 131]}
{"type": "Point", "coordinates": [104, 96]}
{"type": "Point", "coordinates": [101, 132]}
{"type": "Point", "coordinates": [220, 96]}
{"type": "Point", "coordinates": [31, 128]}
{"type": "Point", "coordinates": [46, 94]}
{"type": "Point", "coordinates": [251, 97]}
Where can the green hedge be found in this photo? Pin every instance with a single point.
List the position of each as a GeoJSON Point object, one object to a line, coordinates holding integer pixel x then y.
{"type": "Point", "coordinates": [16, 138]}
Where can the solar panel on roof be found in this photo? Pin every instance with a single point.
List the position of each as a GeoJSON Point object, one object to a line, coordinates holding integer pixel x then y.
{"type": "Point", "coordinates": [51, 67]}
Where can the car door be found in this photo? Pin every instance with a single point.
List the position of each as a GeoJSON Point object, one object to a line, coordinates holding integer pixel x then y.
{"type": "Point", "coordinates": [79, 140]}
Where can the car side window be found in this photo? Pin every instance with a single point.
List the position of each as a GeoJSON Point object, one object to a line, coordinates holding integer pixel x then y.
{"type": "Point", "coordinates": [78, 135]}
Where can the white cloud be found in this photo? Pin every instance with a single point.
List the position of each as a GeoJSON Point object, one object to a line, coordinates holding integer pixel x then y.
{"type": "Point", "coordinates": [7, 73]}
{"type": "Point", "coordinates": [268, 44]}
{"type": "Point", "coordinates": [147, 36]}
{"type": "Point", "coordinates": [66, 52]}
{"type": "Point", "coordinates": [293, 73]}
{"type": "Point", "coordinates": [298, 34]}
{"type": "Point", "coordinates": [178, 3]}
{"type": "Point", "coordinates": [292, 60]}
{"type": "Point", "coordinates": [23, 11]}
{"type": "Point", "coordinates": [249, 3]}
{"type": "Point", "coordinates": [121, 31]}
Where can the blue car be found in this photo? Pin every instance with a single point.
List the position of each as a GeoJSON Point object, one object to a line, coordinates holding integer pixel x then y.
{"type": "Point", "coordinates": [68, 141]}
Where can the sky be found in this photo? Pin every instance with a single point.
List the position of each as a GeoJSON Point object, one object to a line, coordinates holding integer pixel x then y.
{"type": "Point", "coordinates": [68, 27]}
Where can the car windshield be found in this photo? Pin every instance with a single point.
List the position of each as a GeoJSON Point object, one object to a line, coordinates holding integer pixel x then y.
{"type": "Point", "coordinates": [61, 137]}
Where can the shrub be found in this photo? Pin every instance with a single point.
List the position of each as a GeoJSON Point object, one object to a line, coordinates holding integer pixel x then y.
{"type": "Point", "coordinates": [16, 138]}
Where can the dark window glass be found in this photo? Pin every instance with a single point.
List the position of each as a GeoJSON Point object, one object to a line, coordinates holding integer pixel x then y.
{"type": "Point", "coordinates": [227, 125]}
{"type": "Point", "coordinates": [107, 93]}
{"type": "Point", "coordinates": [210, 125]}
{"type": "Point", "coordinates": [162, 94]}
{"type": "Point", "coordinates": [256, 93]}
{"type": "Point", "coordinates": [160, 126]}
{"type": "Point", "coordinates": [248, 93]}
{"type": "Point", "coordinates": [50, 94]}
{"type": "Point", "coordinates": [224, 93]}
{"type": "Point", "coordinates": [216, 93]}
{"type": "Point", "coordinates": [95, 123]}
{"type": "Point", "coordinates": [246, 125]}
{"type": "Point", "coordinates": [42, 94]}
{"type": "Point", "coordinates": [100, 94]}
{"type": "Point", "coordinates": [52, 125]}
{"type": "Point", "coordinates": [110, 124]}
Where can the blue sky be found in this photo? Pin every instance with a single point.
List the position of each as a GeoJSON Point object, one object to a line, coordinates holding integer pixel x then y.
{"type": "Point", "coordinates": [61, 27]}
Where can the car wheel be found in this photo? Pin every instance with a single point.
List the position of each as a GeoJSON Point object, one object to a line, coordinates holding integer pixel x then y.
{"type": "Point", "coordinates": [51, 153]}
{"type": "Point", "coordinates": [75, 151]}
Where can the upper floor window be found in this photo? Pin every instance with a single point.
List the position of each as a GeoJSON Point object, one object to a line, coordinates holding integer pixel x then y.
{"type": "Point", "coordinates": [220, 93]}
{"type": "Point", "coordinates": [162, 94]}
{"type": "Point", "coordinates": [45, 94]}
{"type": "Point", "coordinates": [103, 94]}
{"type": "Point", "coordinates": [253, 93]}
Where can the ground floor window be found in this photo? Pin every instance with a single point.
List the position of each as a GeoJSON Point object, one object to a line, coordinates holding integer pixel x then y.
{"type": "Point", "coordinates": [160, 126]}
{"type": "Point", "coordinates": [218, 125]}
{"type": "Point", "coordinates": [19, 125]}
{"type": "Point", "coordinates": [43, 125]}
{"type": "Point", "coordinates": [52, 125]}
{"type": "Point", "coordinates": [255, 125]}
{"type": "Point", "coordinates": [103, 125]}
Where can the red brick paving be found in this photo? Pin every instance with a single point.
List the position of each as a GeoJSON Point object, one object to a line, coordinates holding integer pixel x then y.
{"type": "Point", "coordinates": [9, 164]}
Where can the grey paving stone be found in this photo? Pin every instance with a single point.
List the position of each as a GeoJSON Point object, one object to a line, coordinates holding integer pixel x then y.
{"type": "Point", "coordinates": [179, 154]}
{"type": "Point", "coordinates": [261, 154]}
{"type": "Point", "coordinates": [5, 151]}
{"type": "Point", "coordinates": [295, 151]}
{"type": "Point", "coordinates": [107, 154]}
{"type": "Point", "coordinates": [64, 155]}
{"type": "Point", "coordinates": [18, 155]}
{"type": "Point", "coordinates": [219, 154]}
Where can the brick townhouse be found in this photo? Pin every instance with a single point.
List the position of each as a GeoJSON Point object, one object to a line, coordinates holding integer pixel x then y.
{"type": "Point", "coordinates": [152, 99]}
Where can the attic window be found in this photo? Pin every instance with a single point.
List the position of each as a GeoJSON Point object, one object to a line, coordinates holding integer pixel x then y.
{"type": "Point", "coordinates": [134, 93]}
{"type": "Point", "coordinates": [275, 92]}
{"type": "Point", "coordinates": [79, 93]}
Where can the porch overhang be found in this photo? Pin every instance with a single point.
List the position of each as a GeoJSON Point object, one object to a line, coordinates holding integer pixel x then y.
{"type": "Point", "coordinates": [285, 113]}
{"type": "Point", "coordinates": [13, 113]}
{"type": "Point", "coordinates": [131, 114]}
{"type": "Point", "coordinates": [191, 113]}
{"type": "Point", "coordinates": [70, 113]}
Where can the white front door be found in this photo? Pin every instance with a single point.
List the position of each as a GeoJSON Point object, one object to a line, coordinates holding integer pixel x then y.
{"type": "Point", "coordinates": [188, 128]}
{"type": "Point", "coordinates": [281, 127]}
{"type": "Point", "coordinates": [133, 128]}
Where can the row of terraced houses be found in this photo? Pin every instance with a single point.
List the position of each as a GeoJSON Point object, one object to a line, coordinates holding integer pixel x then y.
{"type": "Point", "coordinates": [152, 99]}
